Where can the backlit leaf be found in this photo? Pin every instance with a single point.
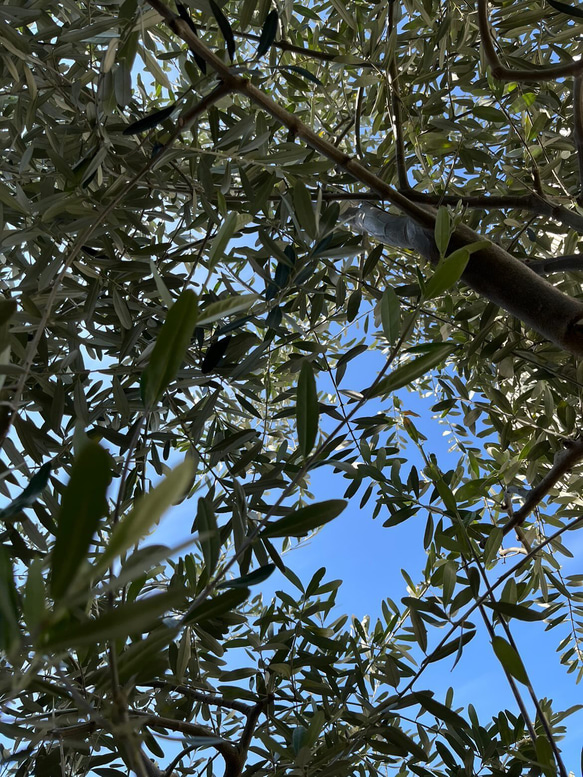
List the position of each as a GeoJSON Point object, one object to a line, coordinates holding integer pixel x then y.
{"type": "Point", "coordinates": [305, 519]}
{"type": "Point", "coordinates": [170, 349]}
{"type": "Point", "coordinates": [307, 410]}
{"type": "Point", "coordinates": [83, 505]}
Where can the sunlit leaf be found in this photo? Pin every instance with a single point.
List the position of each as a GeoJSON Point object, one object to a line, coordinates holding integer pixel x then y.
{"type": "Point", "coordinates": [412, 370]}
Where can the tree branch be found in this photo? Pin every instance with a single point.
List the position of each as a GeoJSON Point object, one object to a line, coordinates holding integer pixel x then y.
{"type": "Point", "coordinates": [578, 127]}
{"type": "Point", "coordinates": [206, 698]}
{"type": "Point", "coordinates": [233, 760]}
{"type": "Point", "coordinates": [564, 462]}
{"type": "Point", "coordinates": [506, 74]}
{"type": "Point", "coordinates": [567, 263]}
{"type": "Point", "coordinates": [492, 271]}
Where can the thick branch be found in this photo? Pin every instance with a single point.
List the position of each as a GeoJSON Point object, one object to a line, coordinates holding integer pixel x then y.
{"type": "Point", "coordinates": [564, 462]}
{"type": "Point", "coordinates": [506, 74]}
{"type": "Point", "coordinates": [513, 286]}
{"type": "Point", "coordinates": [492, 272]}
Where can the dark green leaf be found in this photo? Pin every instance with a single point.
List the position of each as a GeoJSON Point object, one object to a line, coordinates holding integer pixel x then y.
{"type": "Point", "coordinates": [304, 208]}
{"type": "Point", "coordinates": [440, 710]}
{"type": "Point", "coordinates": [305, 519]}
{"type": "Point", "coordinates": [83, 505]}
{"type": "Point", "coordinates": [509, 659]}
{"type": "Point", "coordinates": [390, 315]}
{"type": "Point", "coordinates": [184, 13]}
{"type": "Point", "coordinates": [206, 526]}
{"type": "Point", "coordinates": [253, 578]}
{"type": "Point", "coordinates": [225, 28]}
{"type": "Point", "coordinates": [170, 348]}
{"type": "Point", "coordinates": [518, 611]}
{"type": "Point", "coordinates": [214, 354]}
{"type": "Point", "coordinates": [9, 610]}
{"type": "Point", "coordinates": [268, 33]}
{"type": "Point", "coordinates": [217, 606]}
{"type": "Point", "coordinates": [451, 647]}
{"type": "Point", "coordinates": [307, 410]}
{"type": "Point", "coordinates": [30, 494]}
{"type": "Point", "coordinates": [571, 10]}
{"type": "Point", "coordinates": [149, 121]}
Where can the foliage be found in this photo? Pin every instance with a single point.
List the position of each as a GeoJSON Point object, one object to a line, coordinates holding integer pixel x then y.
{"type": "Point", "coordinates": [185, 314]}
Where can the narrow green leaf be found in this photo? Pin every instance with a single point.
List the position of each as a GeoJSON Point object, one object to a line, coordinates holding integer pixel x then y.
{"type": "Point", "coordinates": [221, 239]}
{"type": "Point", "coordinates": [447, 272]}
{"type": "Point", "coordinates": [509, 659]}
{"type": "Point", "coordinates": [84, 503]}
{"type": "Point", "coordinates": [9, 614]}
{"type": "Point", "coordinates": [268, 33]}
{"type": "Point", "coordinates": [206, 526]}
{"type": "Point", "coordinates": [225, 307]}
{"type": "Point", "coordinates": [407, 373]}
{"type": "Point", "coordinates": [305, 519]}
{"type": "Point", "coordinates": [404, 743]}
{"type": "Point", "coordinates": [170, 348]}
{"type": "Point", "coordinates": [442, 230]}
{"type": "Point", "coordinates": [30, 494]}
{"type": "Point", "coordinates": [439, 710]}
{"type": "Point", "coordinates": [390, 315]}
{"type": "Point", "coordinates": [117, 623]}
{"type": "Point", "coordinates": [304, 208]}
{"type": "Point", "coordinates": [34, 605]}
{"type": "Point", "coordinates": [307, 410]}
{"type": "Point", "coordinates": [225, 28]}
{"type": "Point", "coordinates": [571, 10]}
{"type": "Point", "coordinates": [149, 121]}
{"type": "Point", "coordinates": [451, 647]}
{"type": "Point", "coordinates": [518, 611]}
{"type": "Point", "coordinates": [146, 513]}
{"type": "Point", "coordinates": [184, 13]}
{"type": "Point", "coordinates": [216, 606]}
{"type": "Point", "coordinates": [253, 578]}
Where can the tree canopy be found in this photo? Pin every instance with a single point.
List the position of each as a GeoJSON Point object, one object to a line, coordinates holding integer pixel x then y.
{"type": "Point", "coordinates": [212, 215]}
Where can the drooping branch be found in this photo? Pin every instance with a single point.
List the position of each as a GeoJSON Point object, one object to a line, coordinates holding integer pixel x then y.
{"type": "Point", "coordinates": [507, 74]}
{"type": "Point", "coordinates": [564, 462]}
{"type": "Point", "coordinates": [491, 271]}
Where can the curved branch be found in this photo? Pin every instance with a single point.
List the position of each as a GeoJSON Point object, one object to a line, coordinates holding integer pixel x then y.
{"type": "Point", "coordinates": [507, 74]}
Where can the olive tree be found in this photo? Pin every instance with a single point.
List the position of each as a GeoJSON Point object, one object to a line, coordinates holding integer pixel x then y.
{"type": "Point", "coordinates": [209, 214]}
